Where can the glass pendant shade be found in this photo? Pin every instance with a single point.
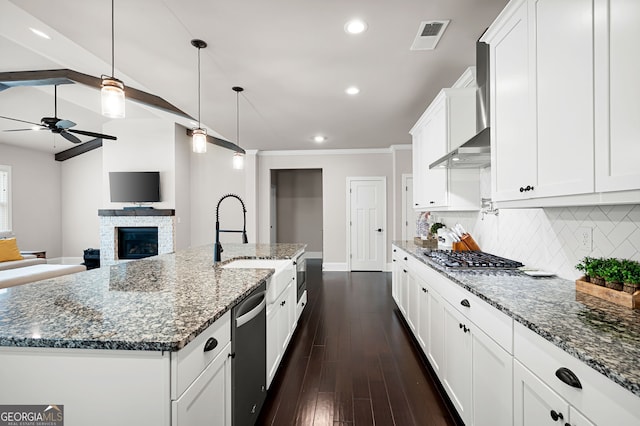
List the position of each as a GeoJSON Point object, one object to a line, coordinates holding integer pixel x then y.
{"type": "Point", "coordinates": [238, 161]}
{"type": "Point", "coordinates": [112, 95]}
{"type": "Point", "coordinates": [199, 141]}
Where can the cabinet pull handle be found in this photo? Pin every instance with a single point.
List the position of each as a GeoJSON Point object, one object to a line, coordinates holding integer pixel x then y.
{"type": "Point", "coordinates": [522, 189]}
{"type": "Point", "coordinates": [465, 303]}
{"type": "Point", "coordinates": [555, 416]}
{"type": "Point", "coordinates": [424, 290]}
{"type": "Point", "coordinates": [404, 270]}
{"type": "Point", "coordinates": [432, 202]}
{"type": "Point", "coordinates": [284, 302]}
{"type": "Point", "coordinates": [568, 377]}
{"type": "Point", "coordinates": [211, 344]}
{"type": "Point", "coordinates": [394, 260]}
{"type": "Point", "coordinates": [405, 258]}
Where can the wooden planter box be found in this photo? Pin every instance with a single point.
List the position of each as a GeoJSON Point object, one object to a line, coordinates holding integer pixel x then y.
{"type": "Point", "coordinates": [614, 296]}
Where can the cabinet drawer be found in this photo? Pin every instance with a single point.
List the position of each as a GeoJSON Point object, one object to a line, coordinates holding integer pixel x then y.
{"type": "Point", "coordinates": [497, 325]}
{"type": "Point", "coordinates": [189, 362]}
{"type": "Point", "coordinates": [600, 399]}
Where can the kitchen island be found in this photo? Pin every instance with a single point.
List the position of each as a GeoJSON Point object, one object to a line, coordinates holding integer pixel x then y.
{"type": "Point", "coordinates": [110, 339]}
{"type": "Point", "coordinates": [538, 323]}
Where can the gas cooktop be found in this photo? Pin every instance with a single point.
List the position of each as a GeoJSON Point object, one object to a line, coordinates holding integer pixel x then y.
{"type": "Point", "coordinates": [470, 260]}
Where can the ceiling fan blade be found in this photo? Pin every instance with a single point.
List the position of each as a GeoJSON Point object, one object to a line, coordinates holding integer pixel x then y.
{"type": "Point", "coordinates": [25, 130]}
{"type": "Point", "coordinates": [93, 134]}
{"type": "Point", "coordinates": [65, 124]}
{"type": "Point", "coordinates": [22, 121]}
{"type": "Point", "coordinates": [68, 136]}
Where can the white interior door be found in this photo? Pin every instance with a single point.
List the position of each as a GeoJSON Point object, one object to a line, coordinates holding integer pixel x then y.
{"type": "Point", "coordinates": [274, 214]}
{"type": "Point", "coordinates": [408, 214]}
{"type": "Point", "coordinates": [367, 220]}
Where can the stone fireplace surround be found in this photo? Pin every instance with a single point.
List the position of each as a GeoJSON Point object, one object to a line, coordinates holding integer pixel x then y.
{"type": "Point", "coordinates": [111, 220]}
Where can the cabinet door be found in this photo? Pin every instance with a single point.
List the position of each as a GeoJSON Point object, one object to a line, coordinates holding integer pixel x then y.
{"type": "Point", "coordinates": [435, 347]}
{"type": "Point", "coordinates": [395, 277]}
{"type": "Point", "coordinates": [492, 379]}
{"type": "Point", "coordinates": [456, 374]}
{"type": "Point", "coordinates": [419, 170]}
{"type": "Point", "coordinates": [513, 149]}
{"type": "Point", "coordinates": [284, 319]}
{"type": "Point", "coordinates": [273, 342]}
{"type": "Point", "coordinates": [425, 316]}
{"type": "Point", "coordinates": [413, 307]}
{"type": "Point", "coordinates": [578, 419]}
{"type": "Point", "coordinates": [208, 400]}
{"type": "Point", "coordinates": [403, 290]}
{"type": "Point", "coordinates": [534, 403]}
{"type": "Point", "coordinates": [563, 35]}
{"type": "Point", "coordinates": [434, 184]}
{"type": "Point", "coordinates": [617, 93]}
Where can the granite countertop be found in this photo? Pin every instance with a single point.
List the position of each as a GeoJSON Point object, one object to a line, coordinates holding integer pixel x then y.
{"type": "Point", "coordinates": [601, 334]}
{"type": "Point", "coordinates": [159, 303]}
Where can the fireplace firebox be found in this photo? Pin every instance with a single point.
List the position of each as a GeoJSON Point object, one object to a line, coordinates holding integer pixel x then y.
{"type": "Point", "coordinates": [137, 242]}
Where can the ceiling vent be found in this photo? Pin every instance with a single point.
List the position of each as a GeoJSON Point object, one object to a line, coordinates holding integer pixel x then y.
{"type": "Point", "coordinates": [429, 34]}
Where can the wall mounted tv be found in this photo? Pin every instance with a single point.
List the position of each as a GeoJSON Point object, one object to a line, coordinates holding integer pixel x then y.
{"type": "Point", "coordinates": [134, 187]}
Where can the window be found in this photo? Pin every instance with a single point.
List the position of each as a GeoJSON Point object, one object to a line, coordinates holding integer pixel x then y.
{"type": "Point", "coordinates": [5, 198]}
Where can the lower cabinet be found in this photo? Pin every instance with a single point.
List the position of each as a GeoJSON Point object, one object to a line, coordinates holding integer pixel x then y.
{"type": "Point", "coordinates": [535, 404]}
{"type": "Point", "coordinates": [281, 322]}
{"type": "Point", "coordinates": [210, 393]}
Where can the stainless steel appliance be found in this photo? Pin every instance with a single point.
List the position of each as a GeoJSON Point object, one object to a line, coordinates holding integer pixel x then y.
{"type": "Point", "coordinates": [470, 260]}
{"type": "Point", "coordinates": [249, 363]}
{"type": "Point", "coordinates": [301, 274]}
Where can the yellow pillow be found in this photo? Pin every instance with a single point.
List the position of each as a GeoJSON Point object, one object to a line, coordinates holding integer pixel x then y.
{"type": "Point", "coordinates": [9, 250]}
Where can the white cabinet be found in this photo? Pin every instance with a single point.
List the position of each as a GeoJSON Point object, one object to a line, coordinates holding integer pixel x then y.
{"type": "Point", "coordinates": [617, 92]}
{"type": "Point", "coordinates": [535, 404]}
{"type": "Point", "coordinates": [448, 122]}
{"type": "Point", "coordinates": [563, 103]}
{"type": "Point", "coordinates": [281, 322]}
{"type": "Point", "coordinates": [207, 401]}
{"type": "Point", "coordinates": [539, 387]}
{"type": "Point", "coordinates": [472, 362]}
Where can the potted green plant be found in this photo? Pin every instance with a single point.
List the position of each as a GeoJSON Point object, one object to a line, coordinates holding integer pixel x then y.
{"type": "Point", "coordinates": [612, 273]}
{"type": "Point", "coordinates": [435, 227]}
{"type": "Point", "coordinates": [630, 276]}
{"type": "Point", "coordinates": [592, 269]}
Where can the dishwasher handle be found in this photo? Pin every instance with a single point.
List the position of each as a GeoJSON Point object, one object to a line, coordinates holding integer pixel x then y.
{"type": "Point", "coordinates": [244, 318]}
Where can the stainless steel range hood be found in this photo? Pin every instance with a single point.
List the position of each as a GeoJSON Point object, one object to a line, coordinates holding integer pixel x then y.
{"type": "Point", "coordinates": [476, 152]}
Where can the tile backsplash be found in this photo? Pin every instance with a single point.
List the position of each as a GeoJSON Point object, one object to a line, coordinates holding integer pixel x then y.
{"type": "Point", "coordinates": [549, 238]}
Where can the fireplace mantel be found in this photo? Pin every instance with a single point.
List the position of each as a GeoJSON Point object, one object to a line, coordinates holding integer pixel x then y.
{"type": "Point", "coordinates": [137, 212]}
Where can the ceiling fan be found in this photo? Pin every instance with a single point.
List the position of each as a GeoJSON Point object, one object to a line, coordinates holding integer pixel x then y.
{"type": "Point", "coordinates": [58, 125]}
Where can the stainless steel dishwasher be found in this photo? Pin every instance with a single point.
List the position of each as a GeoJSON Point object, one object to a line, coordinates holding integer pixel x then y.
{"type": "Point", "coordinates": [249, 363]}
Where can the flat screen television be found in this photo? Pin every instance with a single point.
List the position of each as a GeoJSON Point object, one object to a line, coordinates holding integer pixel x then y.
{"type": "Point", "coordinates": [134, 187]}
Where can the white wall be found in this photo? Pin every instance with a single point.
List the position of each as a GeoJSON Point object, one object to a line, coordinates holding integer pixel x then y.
{"type": "Point", "coordinates": [36, 199]}
{"type": "Point", "coordinates": [182, 188]}
{"type": "Point", "coordinates": [336, 167]}
{"type": "Point", "coordinates": [547, 238]}
{"type": "Point", "coordinates": [402, 164]}
{"type": "Point", "coordinates": [213, 176]}
{"type": "Point", "coordinates": [142, 145]}
{"type": "Point", "coordinates": [81, 198]}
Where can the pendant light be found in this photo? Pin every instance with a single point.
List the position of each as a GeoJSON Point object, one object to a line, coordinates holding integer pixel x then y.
{"type": "Point", "coordinates": [199, 134]}
{"type": "Point", "coordinates": [112, 92]}
{"type": "Point", "coordinates": [238, 157]}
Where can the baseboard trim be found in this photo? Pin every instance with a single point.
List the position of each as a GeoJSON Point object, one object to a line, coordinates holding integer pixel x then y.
{"type": "Point", "coordinates": [335, 267]}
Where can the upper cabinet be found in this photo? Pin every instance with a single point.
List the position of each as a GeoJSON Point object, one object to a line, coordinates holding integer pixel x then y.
{"type": "Point", "coordinates": [617, 95]}
{"type": "Point", "coordinates": [564, 102]}
{"type": "Point", "coordinates": [448, 122]}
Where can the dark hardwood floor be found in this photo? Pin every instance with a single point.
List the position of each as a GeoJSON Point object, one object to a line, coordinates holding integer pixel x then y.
{"type": "Point", "coordinates": [351, 362]}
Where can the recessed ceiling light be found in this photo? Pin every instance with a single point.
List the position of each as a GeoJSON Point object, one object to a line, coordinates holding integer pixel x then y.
{"type": "Point", "coordinates": [355, 26]}
{"type": "Point", "coordinates": [353, 90]}
{"type": "Point", "coordinates": [40, 33]}
{"type": "Point", "coordinates": [319, 138]}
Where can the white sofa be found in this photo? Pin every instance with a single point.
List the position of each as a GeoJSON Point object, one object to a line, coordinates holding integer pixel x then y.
{"type": "Point", "coordinates": [30, 269]}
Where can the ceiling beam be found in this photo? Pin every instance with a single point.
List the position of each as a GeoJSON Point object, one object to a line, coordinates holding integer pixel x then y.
{"type": "Point", "coordinates": [220, 142]}
{"type": "Point", "coordinates": [66, 76]}
{"type": "Point", "coordinates": [79, 149]}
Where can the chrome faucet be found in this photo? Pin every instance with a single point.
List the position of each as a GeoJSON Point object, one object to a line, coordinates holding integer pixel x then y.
{"type": "Point", "coordinates": [217, 250]}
